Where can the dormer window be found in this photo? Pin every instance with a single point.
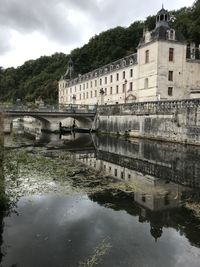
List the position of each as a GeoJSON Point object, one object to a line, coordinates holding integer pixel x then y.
{"type": "Point", "coordinates": [124, 63]}
{"type": "Point", "coordinates": [171, 34]}
{"type": "Point", "coordinates": [192, 53]}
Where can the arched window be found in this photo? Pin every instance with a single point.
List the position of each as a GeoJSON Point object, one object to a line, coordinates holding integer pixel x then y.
{"type": "Point", "coordinates": [171, 34]}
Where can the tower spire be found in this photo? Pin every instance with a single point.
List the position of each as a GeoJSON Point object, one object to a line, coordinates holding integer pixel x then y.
{"type": "Point", "coordinates": [70, 70]}
{"type": "Point", "coordinates": [162, 18]}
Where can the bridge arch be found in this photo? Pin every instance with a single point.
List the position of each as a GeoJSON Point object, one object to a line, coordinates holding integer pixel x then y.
{"type": "Point", "coordinates": [51, 118]}
{"type": "Point", "coordinates": [8, 121]}
{"type": "Point", "coordinates": [80, 122]}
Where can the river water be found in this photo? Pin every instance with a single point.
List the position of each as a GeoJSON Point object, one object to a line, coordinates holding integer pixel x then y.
{"type": "Point", "coordinates": [54, 223]}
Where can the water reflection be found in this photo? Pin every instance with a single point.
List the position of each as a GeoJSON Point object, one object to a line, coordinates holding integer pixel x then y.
{"type": "Point", "coordinates": [163, 176]}
{"type": "Point", "coordinates": [149, 226]}
{"type": "Point", "coordinates": [168, 161]}
{"type": "Point", "coordinates": [77, 225]}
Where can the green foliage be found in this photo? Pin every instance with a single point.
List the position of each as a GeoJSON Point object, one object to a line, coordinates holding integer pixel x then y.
{"type": "Point", "coordinates": [33, 79]}
{"type": "Point", "coordinates": [40, 77]}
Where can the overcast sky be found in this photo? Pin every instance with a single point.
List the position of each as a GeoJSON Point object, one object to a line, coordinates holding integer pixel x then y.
{"type": "Point", "coordinates": [32, 28]}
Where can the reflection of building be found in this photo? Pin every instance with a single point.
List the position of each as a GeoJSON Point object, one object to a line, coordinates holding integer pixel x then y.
{"type": "Point", "coordinates": [173, 162]}
{"type": "Point", "coordinates": [163, 68]}
{"type": "Point", "coordinates": [154, 200]}
{"type": "Point", "coordinates": [149, 192]}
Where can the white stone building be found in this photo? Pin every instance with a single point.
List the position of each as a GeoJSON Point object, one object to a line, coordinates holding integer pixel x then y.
{"type": "Point", "coordinates": [164, 68]}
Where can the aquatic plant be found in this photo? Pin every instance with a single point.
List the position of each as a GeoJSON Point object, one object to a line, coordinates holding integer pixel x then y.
{"type": "Point", "coordinates": [101, 250]}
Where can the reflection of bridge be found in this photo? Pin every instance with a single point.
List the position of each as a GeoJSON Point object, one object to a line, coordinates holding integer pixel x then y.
{"type": "Point", "coordinates": [51, 117]}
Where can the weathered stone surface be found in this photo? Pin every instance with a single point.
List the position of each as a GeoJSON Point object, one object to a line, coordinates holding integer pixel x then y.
{"type": "Point", "coordinates": [177, 121]}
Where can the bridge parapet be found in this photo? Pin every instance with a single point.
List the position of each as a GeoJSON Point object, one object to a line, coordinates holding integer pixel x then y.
{"type": "Point", "coordinates": [51, 117]}
{"type": "Point", "coordinates": [50, 109]}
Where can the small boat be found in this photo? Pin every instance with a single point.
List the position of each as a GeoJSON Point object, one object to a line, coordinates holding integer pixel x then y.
{"type": "Point", "coordinates": [64, 129]}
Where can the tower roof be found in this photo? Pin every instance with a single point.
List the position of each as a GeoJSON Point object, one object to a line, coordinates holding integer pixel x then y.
{"type": "Point", "coordinates": [162, 11]}
{"type": "Point", "coordinates": [70, 70]}
{"type": "Point", "coordinates": [162, 18]}
{"type": "Point", "coordinates": [162, 30]}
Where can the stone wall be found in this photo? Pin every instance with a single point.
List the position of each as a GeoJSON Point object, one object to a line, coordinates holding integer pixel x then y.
{"type": "Point", "coordinates": [176, 121]}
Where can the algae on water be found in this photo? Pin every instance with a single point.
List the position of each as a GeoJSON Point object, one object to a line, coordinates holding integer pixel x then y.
{"type": "Point", "coordinates": [101, 250]}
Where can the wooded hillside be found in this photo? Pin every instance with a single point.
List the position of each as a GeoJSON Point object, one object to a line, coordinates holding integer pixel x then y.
{"type": "Point", "coordinates": [40, 77]}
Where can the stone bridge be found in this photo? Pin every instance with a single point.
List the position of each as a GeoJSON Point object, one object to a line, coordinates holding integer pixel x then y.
{"type": "Point", "coordinates": [50, 117]}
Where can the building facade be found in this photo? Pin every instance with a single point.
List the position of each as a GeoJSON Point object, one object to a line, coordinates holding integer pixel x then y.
{"type": "Point", "coordinates": [164, 68]}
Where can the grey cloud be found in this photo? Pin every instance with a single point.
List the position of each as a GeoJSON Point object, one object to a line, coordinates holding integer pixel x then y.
{"type": "Point", "coordinates": [125, 12]}
{"type": "Point", "coordinates": [48, 17]}
{"type": "Point", "coordinates": [5, 45]}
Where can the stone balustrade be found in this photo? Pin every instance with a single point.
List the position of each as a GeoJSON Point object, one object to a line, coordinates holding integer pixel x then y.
{"type": "Point", "coordinates": [149, 108]}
